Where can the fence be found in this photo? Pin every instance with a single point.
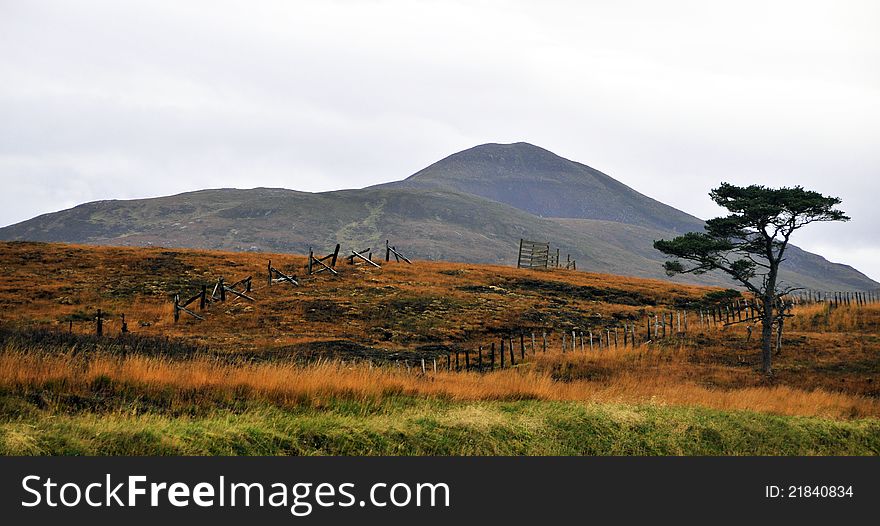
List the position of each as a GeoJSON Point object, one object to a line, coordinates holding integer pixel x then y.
{"type": "Point", "coordinates": [538, 254]}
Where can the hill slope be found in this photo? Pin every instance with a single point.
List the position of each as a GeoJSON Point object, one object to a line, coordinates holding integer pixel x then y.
{"type": "Point", "coordinates": [472, 207]}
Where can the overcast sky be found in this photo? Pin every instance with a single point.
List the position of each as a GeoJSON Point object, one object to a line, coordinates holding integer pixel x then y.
{"type": "Point", "coordinates": [109, 99]}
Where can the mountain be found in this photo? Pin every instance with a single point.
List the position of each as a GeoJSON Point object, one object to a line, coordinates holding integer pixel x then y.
{"type": "Point", "coordinates": [540, 182]}
{"type": "Point", "coordinates": [444, 212]}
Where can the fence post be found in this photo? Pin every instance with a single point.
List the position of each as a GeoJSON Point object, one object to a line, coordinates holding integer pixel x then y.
{"type": "Point", "coordinates": [510, 350]}
{"type": "Point", "coordinates": [502, 351]}
{"type": "Point", "coordinates": [544, 337]}
{"type": "Point", "coordinates": [99, 327]}
{"type": "Point", "coordinates": [492, 356]}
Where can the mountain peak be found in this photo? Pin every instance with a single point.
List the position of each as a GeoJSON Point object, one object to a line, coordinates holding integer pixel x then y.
{"type": "Point", "coordinates": [543, 183]}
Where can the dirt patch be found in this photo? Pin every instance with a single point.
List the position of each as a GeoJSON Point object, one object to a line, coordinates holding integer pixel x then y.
{"type": "Point", "coordinates": [323, 310]}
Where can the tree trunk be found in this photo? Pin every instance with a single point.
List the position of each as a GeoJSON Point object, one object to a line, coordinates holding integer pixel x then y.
{"type": "Point", "coordinates": [767, 336]}
{"type": "Point", "coordinates": [769, 300]}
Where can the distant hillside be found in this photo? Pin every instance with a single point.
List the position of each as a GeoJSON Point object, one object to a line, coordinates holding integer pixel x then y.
{"type": "Point", "coordinates": [542, 183]}
{"type": "Point", "coordinates": [427, 221]}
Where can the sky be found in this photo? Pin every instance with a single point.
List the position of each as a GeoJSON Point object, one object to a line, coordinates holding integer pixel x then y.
{"type": "Point", "coordinates": [119, 100]}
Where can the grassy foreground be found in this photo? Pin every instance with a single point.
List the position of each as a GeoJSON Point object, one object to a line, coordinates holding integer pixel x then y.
{"type": "Point", "coordinates": [403, 425]}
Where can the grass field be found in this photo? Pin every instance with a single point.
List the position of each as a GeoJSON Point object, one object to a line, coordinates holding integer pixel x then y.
{"type": "Point", "coordinates": [333, 366]}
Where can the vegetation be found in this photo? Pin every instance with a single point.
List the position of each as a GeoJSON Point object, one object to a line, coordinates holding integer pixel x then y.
{"type": "Point", "coordinates": [331, 367]}
{"type": "Point", "coordinates": [750, 243]}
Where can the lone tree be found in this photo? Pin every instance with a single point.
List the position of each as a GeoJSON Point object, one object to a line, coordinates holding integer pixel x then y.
{"type": "Point", "coordinates": [749, 244]}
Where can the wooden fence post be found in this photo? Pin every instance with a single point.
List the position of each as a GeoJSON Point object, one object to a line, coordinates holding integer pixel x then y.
{"type": "Point", "coordinates": [99, 327]}
{"type": "Point", "coordinates": [510, 350]}
{"type": "Point", "coordinates": [492, 356]}
{"type": "Point", "coordinates": [544, 337]}
{"type": "Point", "coordinates": [502, 351]}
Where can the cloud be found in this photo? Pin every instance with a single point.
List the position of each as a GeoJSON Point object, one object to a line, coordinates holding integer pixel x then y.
{"type": "Point", "coordinates": [120, 100]}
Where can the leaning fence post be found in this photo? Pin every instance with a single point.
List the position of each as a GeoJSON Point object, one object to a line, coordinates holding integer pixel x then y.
{"type": "Point", "coordinates": [510, 350]}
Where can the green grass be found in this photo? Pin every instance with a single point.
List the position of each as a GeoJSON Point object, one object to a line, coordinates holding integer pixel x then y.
{"type": "Point", "coordinates": [416, 426]}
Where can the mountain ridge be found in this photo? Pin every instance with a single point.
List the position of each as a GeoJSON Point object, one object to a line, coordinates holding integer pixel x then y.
{"type": "Point", "coordinates": [430, 217]}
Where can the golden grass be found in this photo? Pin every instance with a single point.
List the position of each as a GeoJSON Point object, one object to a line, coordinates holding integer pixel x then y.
{"type": "Point", "coordinates": [822, 317]}
{"type": "Point", "coordinates": [828, 365]}
{"type": "Point", "coordinates": [289, 384]}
